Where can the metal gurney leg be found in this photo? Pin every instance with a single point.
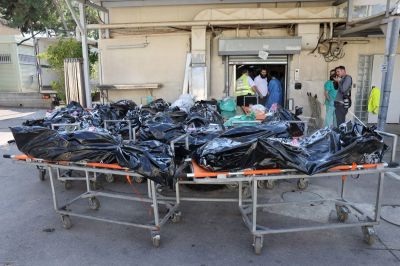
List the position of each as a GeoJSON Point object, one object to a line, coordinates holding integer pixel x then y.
{"type": "Point", "coordinates": [94, 203]}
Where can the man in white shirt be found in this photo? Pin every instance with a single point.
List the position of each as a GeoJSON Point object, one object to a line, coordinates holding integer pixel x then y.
{"type": "Point", "coordinates": [262, 85]}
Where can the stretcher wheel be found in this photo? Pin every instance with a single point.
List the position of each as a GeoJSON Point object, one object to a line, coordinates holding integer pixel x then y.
{"type": "Point", "coordinates": [176, 217]}
{"type": "Point", "coordinates": [232, 186]}
{"type": "Point", "coordinates": [260, 184]}
{"type": "Point", "coordinates": [156, 239]}
{"type": "Point", "coordinates": [269, 184]}
{"type": "Point", "coordinates": [109, 178]}
{"type": "Point", "coordinates": [66, 221]}
{"type": "Point", "coordinates": [258, 244]}
{"type": "Point", "coordinates": [139, 179]}
{"type": "Point", "coordinates": [67, 184]}
{"type": "Point", "coordinates": [369, 234]}
{"type": "Point", "coordinates": [41, 174]}
{"type": "Point", "coordinates": [302, 184]}
{"type": "Point", "coordinates": [342, 213]}
{"type": "Point", "coordinates": [94, 203]}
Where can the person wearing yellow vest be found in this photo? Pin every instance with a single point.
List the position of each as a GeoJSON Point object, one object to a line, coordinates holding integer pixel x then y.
{"type": "Point", "coordinates": [245, 86]}
{"type": "Point", "coordinates": [374, 100]}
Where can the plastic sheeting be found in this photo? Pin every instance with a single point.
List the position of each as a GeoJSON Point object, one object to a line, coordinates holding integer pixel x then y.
{"type": "Point", "coordinates": [152, 159]}
{"type": "Point", "coordinates": [324, 149]}
{"type": "Point", "coordinates": [237, 148]}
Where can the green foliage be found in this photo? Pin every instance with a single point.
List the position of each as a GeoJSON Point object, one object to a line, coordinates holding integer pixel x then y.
{"type": "Point", "coordinates": [58, 86]}
{"type": "Point", "coordinates": [64, 48]}
{"type": "Point", "coordinates": [29, 15]}
{"type": "Point", "coordinates": [55, 55]}
{"type": "Point", "coordinates": [44, 15]}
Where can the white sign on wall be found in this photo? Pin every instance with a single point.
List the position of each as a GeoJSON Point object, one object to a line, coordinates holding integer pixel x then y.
{"type": "Point", "coordinates": [263, 54]}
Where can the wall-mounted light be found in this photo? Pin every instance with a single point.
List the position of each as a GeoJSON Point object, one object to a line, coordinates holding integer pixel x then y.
{"type": "Point", "coordinates": [128, 46]}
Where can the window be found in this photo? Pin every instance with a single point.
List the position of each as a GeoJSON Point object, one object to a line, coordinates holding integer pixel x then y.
{"type": "Point", "coordinates": [5, 59]}
{"type": "Point", "coordinates": [27, 59]}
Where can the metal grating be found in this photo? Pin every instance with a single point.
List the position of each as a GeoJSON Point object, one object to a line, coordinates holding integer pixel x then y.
{"type": "Point", "coordinates": [363, 87]}
{"type": "Point", "coordinates": [5, 59]}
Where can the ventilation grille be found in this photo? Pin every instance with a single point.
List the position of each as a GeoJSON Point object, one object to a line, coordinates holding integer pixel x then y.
{"type": "Point", "coordinates": [5, 59]}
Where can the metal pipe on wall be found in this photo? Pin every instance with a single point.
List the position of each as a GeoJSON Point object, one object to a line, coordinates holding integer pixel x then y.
{"type": "Point", "coordinates": [85, 55]}
{"type": "Point", "coordinates": [214, 23]}
{"type": "Point", "coordinates": [392, 40]}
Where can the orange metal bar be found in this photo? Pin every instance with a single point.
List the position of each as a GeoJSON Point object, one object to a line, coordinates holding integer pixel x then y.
{"type": "Point", "coordinates": [104, 165]}
{"type": "Point", "coordinates": [263, 171]}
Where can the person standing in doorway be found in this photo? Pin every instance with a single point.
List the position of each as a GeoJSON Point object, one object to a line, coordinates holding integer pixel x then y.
{"type": "Point", "coordinates": [343, 96]}
{"type": "Point", "coordinates": [262, 85]}
{"type": "Point", "coordinates": [274, 91]}
{"type": "Point", "coordinates": [330, 96]}
{"type": "Point", "coordinates": [245, 86]}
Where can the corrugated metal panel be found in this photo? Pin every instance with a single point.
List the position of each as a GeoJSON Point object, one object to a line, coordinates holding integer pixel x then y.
{"type": "Point", "coordinates": [251, 46]}
{"type": "Point", "coordinates": [255, 60]}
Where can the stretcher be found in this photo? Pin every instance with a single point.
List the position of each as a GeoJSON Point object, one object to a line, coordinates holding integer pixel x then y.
{"type": "Point", "coordinates": [68, 176]}
{"type": "Point", "coordinates": [249, 208]}
{"type": "Point", "coordinates": [65, 212]}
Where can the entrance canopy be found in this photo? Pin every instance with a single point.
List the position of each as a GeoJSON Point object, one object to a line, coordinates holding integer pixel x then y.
{"type": "Point", "coordinates": [252, 46]}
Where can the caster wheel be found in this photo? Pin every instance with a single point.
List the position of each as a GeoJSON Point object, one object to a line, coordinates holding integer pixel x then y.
{"type": "Point", "coordinates": [109, 178]}
{"type": "Point", "coordinates": [369, 235]}
{"type": "Point", "coordinates": [139, 179]}
{"type": "Point", "coordinates": [67, 185]}
{"type": "Point", "coordinates": [269, 184]}
{"type": "Point", "coordinates": [258, 244]}
{"type": "Point", "coordinates": [342, 213]}
{"type": "Point", "coordinates": [94, 203]}
{"type": "Point", "coordinates": [41, 174]}
{"type": "Point", "coordinates": [302, 184]}
{"type": "Point", "coordinates": [160, 188]}
{"type": "Point", "coordinates": [246, 192]}
{"type": "Point", "coordinates": [66, 221]}
{"type": "Point", "coordinates": [156, 239]}
{"type": "Point", "coordinates": [232, 186]}
{"type": "Point", "coordinates": [176, 217]}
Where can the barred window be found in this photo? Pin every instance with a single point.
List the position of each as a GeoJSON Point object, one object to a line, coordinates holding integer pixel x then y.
{"type": "Point", "coordinates": [27, 59]}
{"type": "Point", "coordinates": [5, 58]}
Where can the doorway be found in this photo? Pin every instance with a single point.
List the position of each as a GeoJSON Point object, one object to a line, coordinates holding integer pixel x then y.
{"type": "Point", "coordinates": [274, 63]}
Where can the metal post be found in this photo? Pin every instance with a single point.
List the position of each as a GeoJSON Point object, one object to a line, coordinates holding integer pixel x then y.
{"type": "Point", "coordinates": [226, 68]}
{"type": "Point", "coordinates": [254, 220]}
{"type": "Point", "coordinates": [379, 197]}
{"type": "Point", "coordinates": [53, 191]}
{"type": "Point", "coordinates": [392, 39]}
{"type": "Point", "coordinates": [240, 193]}
{"type": "Point", "coordinates": [387, 8]}
{"type": "Point", "coordinates": [155, 203]}
{"type": "Point", "coordinates": [85, 54]}
{"type": "Point", "coordinates": [87, 181]}
{"type": "Point", "coordinates": [349, 10]}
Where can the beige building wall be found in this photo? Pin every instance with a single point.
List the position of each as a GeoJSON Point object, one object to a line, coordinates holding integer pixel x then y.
{"type": "Point", "coordinates": [4, 30]}
{"type": "Point", "coordinates": [141, 60]}
{"type": "Point", "coordinates": [163, 59]}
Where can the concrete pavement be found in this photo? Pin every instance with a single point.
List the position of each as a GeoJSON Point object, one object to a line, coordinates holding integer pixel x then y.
{"type": "Point", "coordinates": [209, 234]}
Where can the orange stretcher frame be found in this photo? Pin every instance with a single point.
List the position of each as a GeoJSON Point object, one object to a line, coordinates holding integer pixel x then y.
{"type": "Point", "coordinates": [199, 172]}
{"type": "Point", "coordinates": [23, 157]}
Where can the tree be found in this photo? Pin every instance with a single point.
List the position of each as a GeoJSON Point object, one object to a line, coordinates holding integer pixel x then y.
{"type": "Point", "coordinates": [37, 16]}
{"type": "Point", "coordinates": [55, 55]}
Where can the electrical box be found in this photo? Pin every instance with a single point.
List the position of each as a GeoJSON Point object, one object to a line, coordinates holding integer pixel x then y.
{"type": "Point", "coordinates": [309, 34]}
